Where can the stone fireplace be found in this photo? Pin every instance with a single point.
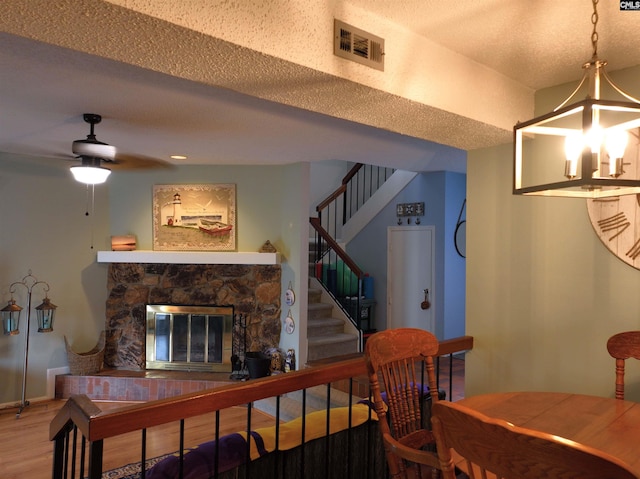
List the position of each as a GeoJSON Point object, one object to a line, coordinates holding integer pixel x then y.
{"type": "Point", "coordinates": [252, 290]}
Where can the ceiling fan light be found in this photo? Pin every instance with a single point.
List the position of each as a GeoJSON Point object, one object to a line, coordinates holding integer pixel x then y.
{"type": "Point", "coordinates": [90, 175]}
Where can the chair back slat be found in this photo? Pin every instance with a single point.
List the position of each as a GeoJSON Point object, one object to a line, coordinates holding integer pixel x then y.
{"type": "Point", "coordinates": [399, 361]}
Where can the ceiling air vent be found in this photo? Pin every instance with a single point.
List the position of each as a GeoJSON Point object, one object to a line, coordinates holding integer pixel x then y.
{"type": "Point", "coordinates": [358, 46]}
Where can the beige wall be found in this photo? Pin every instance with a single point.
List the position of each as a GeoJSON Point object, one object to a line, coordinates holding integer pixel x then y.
{"type": "Point", "coordinates": [543, 293]}
{"type": "Point", "coordinates": [44, 229]}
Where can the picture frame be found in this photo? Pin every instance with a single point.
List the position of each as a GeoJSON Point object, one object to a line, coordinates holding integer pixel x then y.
{"type": "Point", "coordinates": [199, 217]}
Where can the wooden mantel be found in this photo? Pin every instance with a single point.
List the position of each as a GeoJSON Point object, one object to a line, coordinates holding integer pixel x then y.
{"type": "Point", "coordinates": [188, 257]}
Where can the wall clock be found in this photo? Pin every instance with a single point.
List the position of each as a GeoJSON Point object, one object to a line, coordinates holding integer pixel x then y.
{"type": "Point", "coordinates": [616, 221]}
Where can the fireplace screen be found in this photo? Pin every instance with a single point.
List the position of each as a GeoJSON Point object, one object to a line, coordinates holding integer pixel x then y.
{"type": "Point", "coordinates": [189, 338]}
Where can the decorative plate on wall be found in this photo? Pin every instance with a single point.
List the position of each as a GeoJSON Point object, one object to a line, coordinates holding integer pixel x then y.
{"type": "Point", "coordinates": [289, 324]}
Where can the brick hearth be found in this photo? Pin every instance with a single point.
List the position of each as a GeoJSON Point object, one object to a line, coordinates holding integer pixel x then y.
{"type": "Point", "coordinates": [112, 385]}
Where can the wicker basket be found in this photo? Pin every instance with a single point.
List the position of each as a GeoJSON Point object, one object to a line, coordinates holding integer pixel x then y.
{"type": "Point", "coordinates": [84, 364]}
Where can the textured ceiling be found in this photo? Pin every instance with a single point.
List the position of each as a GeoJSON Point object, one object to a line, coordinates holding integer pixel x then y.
{"type": "Point", "coordinates": [255, 82]}
{"type": "Point", "coordinates": [539, 43]}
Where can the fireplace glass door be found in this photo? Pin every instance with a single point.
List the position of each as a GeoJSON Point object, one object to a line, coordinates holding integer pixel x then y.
{"type": "Point", "coordinates": [189, 337]}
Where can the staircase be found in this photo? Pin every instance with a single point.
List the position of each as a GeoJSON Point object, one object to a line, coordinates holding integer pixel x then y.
{"type": "Point", "coordinates": [328, 333]}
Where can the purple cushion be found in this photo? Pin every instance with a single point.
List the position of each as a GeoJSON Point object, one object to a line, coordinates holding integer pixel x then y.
{"type": "Point", "coordinates": [199, 462]}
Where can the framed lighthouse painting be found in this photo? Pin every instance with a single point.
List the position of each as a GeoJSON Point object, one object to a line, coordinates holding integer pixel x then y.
{"type": "Point", "coordinates": [194, 217]}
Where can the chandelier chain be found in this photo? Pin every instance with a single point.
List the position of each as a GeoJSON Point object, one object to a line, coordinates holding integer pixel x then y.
{"type": "Point", "coordinates": [594, 33]}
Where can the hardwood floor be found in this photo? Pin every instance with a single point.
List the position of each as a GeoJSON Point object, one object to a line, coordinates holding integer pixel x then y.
{"type": "Point", "coordinates": [26, 452]}
{"type": "Point", "coordinates": [457, 377]}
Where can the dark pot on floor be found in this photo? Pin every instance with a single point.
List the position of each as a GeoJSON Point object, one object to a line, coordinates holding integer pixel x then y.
{"type": "Point", "coordinates": [258, 364]}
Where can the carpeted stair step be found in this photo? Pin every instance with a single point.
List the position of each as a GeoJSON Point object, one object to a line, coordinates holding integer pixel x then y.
{"type": "Point", "coordinates": [324, 326]}
{"type": "Point", "coordinates": [326, 346]}
{"type": "Point", "coordinates": [319, 310]}
{"type": "Point", "coordinates": [315, 295]}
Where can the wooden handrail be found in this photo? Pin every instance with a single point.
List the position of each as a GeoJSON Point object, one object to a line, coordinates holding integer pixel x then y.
{"type": "Point", "coordinates": [341, 189]}
{"type": "Point", "coordinates": [97, 425]}
{"type": "Point", "coordinates": [331, 198]}
{"type": "Point", "coordinates": [78, 409]}
{"type": "Point", "coordinates": [315, 223]}
{"type": "Point", "coordinates": [113, 423]}
{"type": "Point", "coordinates": [455, 345]}
{"type": "Point", "coordinates": [352, 172]}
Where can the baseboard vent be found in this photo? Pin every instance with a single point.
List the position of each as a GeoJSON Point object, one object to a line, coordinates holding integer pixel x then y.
{"type": "Point", "coordinates": [357, 45]}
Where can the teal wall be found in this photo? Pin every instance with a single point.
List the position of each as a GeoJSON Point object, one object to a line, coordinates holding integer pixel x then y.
{"type": "Point", "coordinates": [130, 201]}
{"type": "Point", "coordinates": [51, 235]}
{"type": "Point", "coordinates": [272, 204]}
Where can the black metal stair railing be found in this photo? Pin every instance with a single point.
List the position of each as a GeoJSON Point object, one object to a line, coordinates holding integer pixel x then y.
{"type": "Point", "coordinates": [341, 277]}
{"type": "Point", "coordinates": [361, 183]}
{"type": "Point", "coordinates": [356, 188]}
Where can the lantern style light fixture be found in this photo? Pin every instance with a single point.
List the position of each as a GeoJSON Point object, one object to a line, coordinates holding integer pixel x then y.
{"type": "Point", "coordinates": [593, 142]}
{"type": "Point", "coordinates": [44, 314]}
{"type": "Point", "coordinates": [11, 320]}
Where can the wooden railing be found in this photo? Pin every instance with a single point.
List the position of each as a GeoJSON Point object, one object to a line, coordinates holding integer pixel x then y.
{"type": "Point", "coordinates": [81, 414]}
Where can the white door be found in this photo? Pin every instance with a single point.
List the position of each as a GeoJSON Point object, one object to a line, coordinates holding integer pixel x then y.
{"type": "Point", "coordinates": [410, 271]}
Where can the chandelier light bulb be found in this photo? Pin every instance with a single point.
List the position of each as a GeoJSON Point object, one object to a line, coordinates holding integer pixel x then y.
{"type": "Point", "coordinates": [573, 146]}
{"type": "Point", "coordinates": [594, 138]}
{"type": "Point", "coordinates": [616, 142]}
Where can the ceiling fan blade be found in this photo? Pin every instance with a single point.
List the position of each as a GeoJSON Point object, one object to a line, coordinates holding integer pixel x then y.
{"type": "Point", "coordinates": [100, 154]}
{"type": "Point", "coordinates": [124, 161]}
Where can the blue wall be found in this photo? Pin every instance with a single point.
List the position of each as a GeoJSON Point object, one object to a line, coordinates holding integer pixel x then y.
{"type": "Point", "coordinates": [443, 194]}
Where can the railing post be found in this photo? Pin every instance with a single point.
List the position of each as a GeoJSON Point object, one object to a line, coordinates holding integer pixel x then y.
{"type": "Point", "coordinates": [345, 198]}
{"type": "Point", "coordinates": [95, 459]}
{"type": "Point", "coordinates": [58, 456]}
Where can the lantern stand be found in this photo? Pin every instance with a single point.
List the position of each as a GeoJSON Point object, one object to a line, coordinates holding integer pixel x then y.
{"type": "Point", "coordinates": [11, 320]}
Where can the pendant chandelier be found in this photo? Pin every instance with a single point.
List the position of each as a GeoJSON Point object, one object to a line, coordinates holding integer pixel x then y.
{"type": "Point", "coordinates": [587, 149]}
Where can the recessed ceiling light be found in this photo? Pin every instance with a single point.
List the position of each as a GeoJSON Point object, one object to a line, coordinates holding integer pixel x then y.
{"type": "Point", "coordinates": [178, 157]}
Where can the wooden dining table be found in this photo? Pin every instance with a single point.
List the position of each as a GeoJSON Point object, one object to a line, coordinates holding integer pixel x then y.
{"type": "Point", "coordinates": [611, 425]}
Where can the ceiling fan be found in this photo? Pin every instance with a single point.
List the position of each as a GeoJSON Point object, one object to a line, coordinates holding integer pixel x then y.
{"type": "Point", "coordinates": [98, 158]}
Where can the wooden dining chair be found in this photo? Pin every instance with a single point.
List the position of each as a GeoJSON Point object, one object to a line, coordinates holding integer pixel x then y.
{"type": "Point", "coordinates": [395, 358]}
{"type": "Point", "coordinates": [493, 448]}
{"type": "Point", "coordinates": [621, 347]}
